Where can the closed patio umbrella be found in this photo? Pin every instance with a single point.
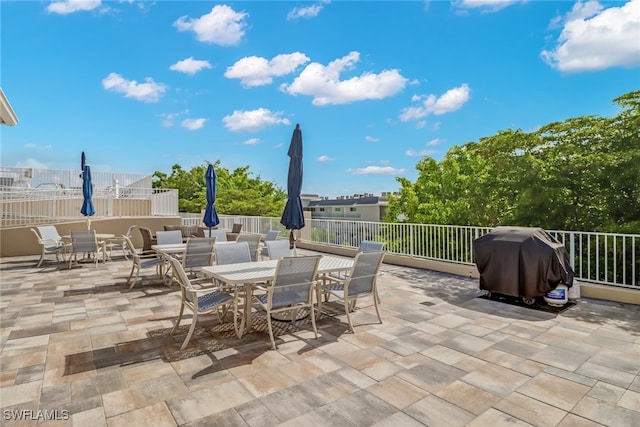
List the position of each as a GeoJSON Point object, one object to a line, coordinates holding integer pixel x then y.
{"type": "Point", "coordinates": [87, 193]}
{"type": "Point", "coordinates": [292, 216]}
{"type": "Point", "coordinates": [210, 215]}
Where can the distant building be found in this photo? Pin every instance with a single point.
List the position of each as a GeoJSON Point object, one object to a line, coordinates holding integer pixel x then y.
{"type": "Point", "coordinates": [359, 207]}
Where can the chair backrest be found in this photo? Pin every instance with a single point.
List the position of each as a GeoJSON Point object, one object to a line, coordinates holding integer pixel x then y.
{"type": "Point", "coordinates": [84, 241]}
{"type": "Point", "coordinates": [277, 249]}
{"type": "Point", "coordinates": [169, 237]}
{"type": "Point", "coordinates": [236, 228]}
{"type": "Point", "coordinates": [293, 279]}
{"type": "Point", "coordinates": [49, 233]}
{"type": "Point", "coordinates": [130, 231]}
{"type": "Point", "coordinates": [219, 234]}
{"type": "Point", "coordinates": [254, 242]}
{"type": "Point", "coordinates": [232, 252]}
{"type": "Point", "coordinates": [181, 277]}
{"type": "Point", "coordinates": [132, 249]}
{"type": "Point", "coordinates": [370, 246]}
{"type": "Point", "coordinates": [364, 272]}
{"type": "Point", "coordinates": [271, 235]}
{"type": "Point", "coordinates": [199, 252]}
{"type": "Point", "coordinates": [147, 237]}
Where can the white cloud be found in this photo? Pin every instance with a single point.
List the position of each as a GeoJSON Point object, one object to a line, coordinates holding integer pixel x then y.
{"type": "Point", "coordinates": [324, 84]}
{"type": "Point", "coordinates": [452, 100]}
{"type": "Point", "coordinates": [190, 65]}
{"type": "Point", "coordinates": [252, 141]}
{"type": "Point", "coordinates": [223, 26]}
{"type": "Point", "coordinates": [594, 38]}
{"type": "Point", "coordinates": [485, 5]}
{"type": "Point", "coordinates": [149, 91]}
{"type": "Point", "coordinates": [421, 153]}
{"type": "Point", "coordinates": [420, 124]}
{"type": "Point", "coordinates": [193, 124]}
{"type": "Point", "coordinates": [168, 119]}
{"type": "Point", "coordinates": [39, 147]}
{"type": "Point", "coordinates": [324, 158]}
{"type": "Point", "coordinates": [434, 142]}
{"type": "Point", "coordinates": [376, 170]}
{"type": "Point", "coordinates": [256, 71]}
{"type": "Point", "coordinates": [70, 6]}
{"type": "Point", "coordinates": [253, 121]}
{"type": "Point", "coordinates": [371, 139]}
{"type": "Point", "coordinates": [307, 12]}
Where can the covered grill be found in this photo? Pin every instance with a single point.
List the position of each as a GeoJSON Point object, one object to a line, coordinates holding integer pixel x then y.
{"type": "Point", "coordinates": [521, 262]}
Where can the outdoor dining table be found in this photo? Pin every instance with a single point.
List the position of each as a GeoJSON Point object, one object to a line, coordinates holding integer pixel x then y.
{"type": "Point", "coordinates": [165, 251]}
{"type": "Point", "coordinates": [248, 274]}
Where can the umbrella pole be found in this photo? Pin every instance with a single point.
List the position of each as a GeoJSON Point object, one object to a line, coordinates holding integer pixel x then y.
{"type": "Point", "coordinates": [292, 243]}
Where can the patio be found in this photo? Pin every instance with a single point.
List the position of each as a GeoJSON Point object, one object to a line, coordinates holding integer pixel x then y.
{"type": "Point", "coordinates": [79, 347]}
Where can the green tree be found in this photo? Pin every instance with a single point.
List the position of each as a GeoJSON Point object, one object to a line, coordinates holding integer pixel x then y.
{"type": "Point", "coordinates": [238, 193]}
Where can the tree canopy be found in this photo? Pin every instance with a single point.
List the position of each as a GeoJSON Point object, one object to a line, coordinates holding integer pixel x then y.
{"type": "Point", "coordinates": [579, 174]}
{"type": "Point", "coordinates": [238, 193]}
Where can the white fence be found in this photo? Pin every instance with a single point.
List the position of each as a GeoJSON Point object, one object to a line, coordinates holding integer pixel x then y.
{"type": "Point", "coordinates": [604, 258]}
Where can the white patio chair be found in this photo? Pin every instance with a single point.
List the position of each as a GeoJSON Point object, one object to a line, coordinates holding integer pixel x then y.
{"type": "Point", "coordinates": [168, 237]}
{"type": "Point", "coordinates": [219, 234]}
{"type": "Point", "coordinates": [277, 249]}
{"type": "Point", "coordinates": [199, 253]}
{"type": "Point", "coordinates": [201, 301]}
{"type": "Point", "coordinates": [254, 243]}
{"type": "Point", "coordinates": [140, 261]}
{"type": "Point", "coordinates": [118, 243]}
{"type": "Point", "coordinates": [360, 282]}
{"type": "Point", "coordinates": [270, 236]}
{"type": "Point", "coordinates": [291, 289]}
{"type": "Point", "coordinates": [49, 246]}
{"type": "Point", "coordinates": [231, 252]}
{"type": "Point", "coordinates": [84, 242]}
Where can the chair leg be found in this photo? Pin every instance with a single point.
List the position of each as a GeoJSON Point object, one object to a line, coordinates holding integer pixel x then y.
{"type": "Point", "coordinates": [375, 304]}
{"type": "Point", "coordinates": [347, 310]}
{"type": "Point", "coordinates": [313, 321]}
{"type": "Point", "coordinates": [191, 329]}
{"type": "Point", "coordinates": [175, 327]}
{"type": "Point", "coordinates": [273, 341]}
{"type": "Point", "coordinates": [135, 279]}
{"type": "Point", "coordinates": [41, 259]}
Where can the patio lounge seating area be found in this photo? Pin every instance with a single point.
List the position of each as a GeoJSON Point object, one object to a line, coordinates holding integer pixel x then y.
{"type": "Point", "coordinates": [82, 345]}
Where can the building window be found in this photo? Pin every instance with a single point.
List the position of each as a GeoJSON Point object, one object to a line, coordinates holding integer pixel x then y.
{"type": "Point", "coordinates": [352, 209]}
{"type": "Point", "coordinates": [338, 209]}
{"type": "Point", "coordinates": [321, 209]}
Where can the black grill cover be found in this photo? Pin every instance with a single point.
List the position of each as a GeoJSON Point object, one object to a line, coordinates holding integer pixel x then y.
{"type": "Point", "coordinates": [521, 262]}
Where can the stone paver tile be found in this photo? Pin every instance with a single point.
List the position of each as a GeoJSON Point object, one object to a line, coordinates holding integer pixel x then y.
{"type": "Point", "coordinates": [493, 417]}
{"type": "Point", "coordinates": [228, 418]}
{"type": "Point", "coordinates": [398, 419]}
{"type": "Point", "coordinates": [431, 376]}
{"type": "Point", "coordinates": [571, 376]}
{"type": "Point", "coordinates": [329, 387]}
{"type": "Point", "coordinates": [157, 415]}
{"type": "Point", "coordinates": [92, 417]}
{"type": "Point", "coordinates": [356, 377]}
{"type": "Point", "coordinates": [627, 361]}
{"type": "Point", "coordinates": [325, 362]}
{"type": "Point", "coordinates": [255, 414]}
{"type": "Point", "coordinates": [630, 400]}
{"type": "Point", "coordinates": [397, 392]}
{"type": "Point", "coordinates": [560, 358]}
{"type": "Point", "coordinates": [449, 320]}
{"type": "Point", "coordinates": [606, 374]}
{"type": "Point", "coordinates": [530, 410]}
{"type": "Point", "coordinates": [468, 344]}
{"type": "Point", "coordinates": [555, 391]}
{"type": "Point", "coordinates": [140, 372]}
{"type": "Point", "coordinates": [606, 392]}
{"type": "Point", "coordinates": [470, 363]}
{"type": "Point", "coordinates": [291, 402]}
{"type": "Point", "coordinates": [301, 370]}
{"type": "Point", "coordinates": [362, 408]}
{"type": "Point", "coordinates": [324, 416]}
{"type": "Point", "coordinates": [572, 420]}
{"type": "Point", "coordinates": [266, 382]}
{"type": "Point", "coordinates": [444, 354]}
{"type": "Point", "coordinates": [7, 378]}
{"type": "Point", "coordinates": [495, 379]}
{"type": "Point", "coordinates": [606, 413]}
{"type": "Point", "coordinates": [519, 346]}
{"type": "Point", "coordinates": [202, 403]}
{"type": "Point", "coordinates": [501, 358]}
{"type": "Point", "coordinates": [468, 397]}
{"type": "Point", "coordinates": [434, 411]}
{"type": "Point", "coordinates": [121, 401]}
{"type": "Point", "coordinates": [20, 393]}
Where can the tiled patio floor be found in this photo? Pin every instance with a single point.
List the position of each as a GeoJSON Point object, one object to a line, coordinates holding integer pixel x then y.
{"type": "Point", "coordinates": [79, 343]}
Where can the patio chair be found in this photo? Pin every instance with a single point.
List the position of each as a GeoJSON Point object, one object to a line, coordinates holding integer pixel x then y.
{"type": "Point", "coordinates": [169, 237]}
{"type": "Point", "coordinates": [119, 244]}
{"type": "Point", "coordinates": [365, 246]}
{"type": "Point", "coordinates": [277, 249]}
{"type": "Point", "coordinates": [201, 301]}
{"type": "Point", "coordinates": [360, 282]}
{"type": "Point", "coordinates": [291, 289]}
{"type": "Point", "coordinates": [85, 242]}
{"type": "Point", "coordinates": [254, 243]}
{"type": "Point", "coordinates": [271, 235]}
{"type": "Point", "coordinates": [51, 246]}
{"type": "Point", "coordinates": [147, 239]}
{"type": "Point", "coordinates": [236, 228]}
{"type": "Point", "coordinates": [199, 253]}
{"type": "Point", "coordinates": [140, 261]}
{"type": "Point", "coordinates": [217, 233]}
{"type": "Point", "coordinates": [231, 252]}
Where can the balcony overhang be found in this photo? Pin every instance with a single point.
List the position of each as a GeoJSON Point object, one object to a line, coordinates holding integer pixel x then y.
{"type": "Point", "coordinates": [7, 115]}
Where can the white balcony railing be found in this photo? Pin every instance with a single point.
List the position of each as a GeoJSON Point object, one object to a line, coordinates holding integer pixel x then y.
{"type": "Point", "coordinates": [604, 258]}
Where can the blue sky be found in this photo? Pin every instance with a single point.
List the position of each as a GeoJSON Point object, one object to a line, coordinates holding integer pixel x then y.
{"type": "Point", "coordinates": [374, 85]}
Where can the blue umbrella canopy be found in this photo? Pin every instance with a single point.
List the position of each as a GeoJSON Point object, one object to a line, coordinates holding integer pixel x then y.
{"type": "Point", "coordinates": [210, 215]}
{"type": "Point", "coordinates": [292, 217]}
{"type": "Point", "coordinates": [87, 193]}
